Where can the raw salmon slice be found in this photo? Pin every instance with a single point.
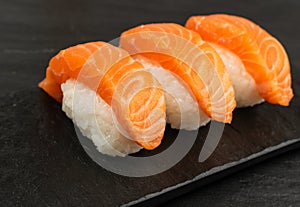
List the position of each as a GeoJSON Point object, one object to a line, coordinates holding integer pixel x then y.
{"type": "Point", "coordinates": [186, 55]}
{"type": "Point", "coordinates": [265, 59]}
{"type": "Point", "coordinates": [102, 67]}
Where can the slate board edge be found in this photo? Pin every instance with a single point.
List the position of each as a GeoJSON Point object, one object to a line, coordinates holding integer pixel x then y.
{"type": "Point", "coordinates": [214, 174]}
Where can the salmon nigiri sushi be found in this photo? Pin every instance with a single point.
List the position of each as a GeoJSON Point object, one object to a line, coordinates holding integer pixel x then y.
{"type": "Point", "coordinates": [256, 61]}
{"type": "Point", "coordinates": [109, 96]}
{"type": "Point", "coordinates": [186, 65]}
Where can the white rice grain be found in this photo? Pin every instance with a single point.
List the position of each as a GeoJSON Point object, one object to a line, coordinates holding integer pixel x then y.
{"type": "Point", "coordinates": [245, 89]}
{"type": "Point", "coordinates": [93, 116]}
{"type": "Point", "coordinates": [182, 108]}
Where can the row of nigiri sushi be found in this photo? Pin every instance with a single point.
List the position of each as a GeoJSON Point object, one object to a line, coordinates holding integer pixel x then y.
{"type": "Point", "coordinates": [121, 97]}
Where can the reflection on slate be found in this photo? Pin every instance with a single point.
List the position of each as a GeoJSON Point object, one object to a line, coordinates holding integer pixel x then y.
{"type": "Point", "coordinates": [41, 157]}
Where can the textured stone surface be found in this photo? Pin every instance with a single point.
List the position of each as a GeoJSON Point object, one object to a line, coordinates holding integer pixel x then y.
{"type": "Point", "coordinates": [272, 183]}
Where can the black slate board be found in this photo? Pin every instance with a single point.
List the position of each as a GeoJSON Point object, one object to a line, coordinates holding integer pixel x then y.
{"type": "Point", "coordinates": [41, 157]}
{"type": "Point", "coordinates": [41, 167]}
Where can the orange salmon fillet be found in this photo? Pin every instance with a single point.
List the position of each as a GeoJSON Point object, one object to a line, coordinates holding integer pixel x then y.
{"type": "Point", "coordinates": [178, 49]}
{"type": "Point", "coordinates": [265, 59]}
{"type": "Point", "coordinates": [102, 67]}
